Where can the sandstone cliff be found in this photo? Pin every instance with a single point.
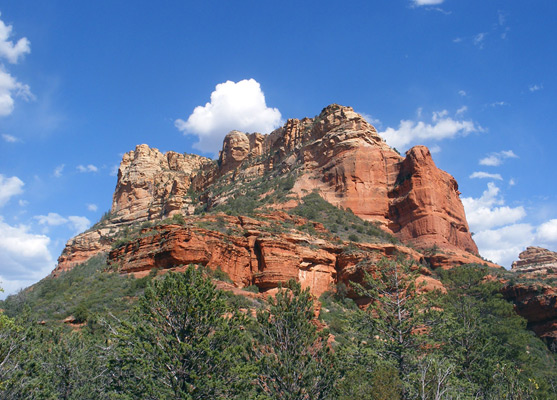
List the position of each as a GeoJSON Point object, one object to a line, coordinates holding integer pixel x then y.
{"type": "Point", "coordinates": [337, 153]}
{"type": "Point", "coordinates": [532, 290]}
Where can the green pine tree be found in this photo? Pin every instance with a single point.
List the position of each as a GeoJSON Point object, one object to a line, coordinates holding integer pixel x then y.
{"type": "Point", "coordinates": [182, 342]}
{"type": "Point", "coordinates": [293, 360]}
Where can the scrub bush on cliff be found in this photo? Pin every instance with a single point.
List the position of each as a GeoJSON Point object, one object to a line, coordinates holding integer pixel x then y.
{"type": "Point", "coordinates": [180, 343]}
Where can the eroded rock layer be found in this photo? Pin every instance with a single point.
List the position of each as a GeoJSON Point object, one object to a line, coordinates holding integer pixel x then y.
{"type": "Point", "coordinates": [533, 291]}
{"type": "Point", "coordinates": [337, 153]}
{"type": "Point", "coordinates": [251, 252]}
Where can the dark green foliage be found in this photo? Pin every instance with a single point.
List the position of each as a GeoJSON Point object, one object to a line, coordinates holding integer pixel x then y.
{"type": "Point", "coordinates": [293, 361]}
{"type": "Point", "coordinates": [178, 219]}
{"type": "Point", "coordinates": [251, 288]}
{"type": "Point", "coordinates": [245, 196]}
{"type": "Point", "coordinates": [179, 342]}
{"type": "Point", "coordinates": [54, 364]}
{"type": "Point", "coordinates": [11, 340]}
{"type": "Point", "coordinates": [184, 338]}
{"type": "Point", "coordinates": [342, 222]}
{"type": "Point", "coordinates": [81, 313]}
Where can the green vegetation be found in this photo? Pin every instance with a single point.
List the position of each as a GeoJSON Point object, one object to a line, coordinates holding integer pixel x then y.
{"type": "Point", "coordinates": [342, 223]}
{"type": "Point", "coordinates": [183, 338]}
{"type": "Point", "coordinates": [244, 196]}
{"type": "Point", "coordinates": [465, 344]}
{"type": "Point", "coordinates": [292, 360]}
{"type": "Point", "coordinates": [86, 290]}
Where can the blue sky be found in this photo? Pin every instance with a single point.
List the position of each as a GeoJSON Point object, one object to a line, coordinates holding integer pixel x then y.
{"type": "Point", "coordinates": [81, 83]}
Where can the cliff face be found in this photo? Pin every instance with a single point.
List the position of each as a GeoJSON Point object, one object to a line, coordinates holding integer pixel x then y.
{"type": "Point", "coordinates": [536, 260]}
{"type": "Point", "coordinates": [262, 251]}
{"type": "Point", "coordinates": [337, 153]}
{"type": "Point", "coordinates": [533, 291]}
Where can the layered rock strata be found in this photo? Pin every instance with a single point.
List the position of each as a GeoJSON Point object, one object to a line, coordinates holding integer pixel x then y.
{"type": "Point", "coordinates": [252, 253]}
{"type": "Point", "coordinates": [533, 291]}
{"type": "Point", "coordinates": [536, 260]}
{"type": "Point", "coordinates": [338, 153]}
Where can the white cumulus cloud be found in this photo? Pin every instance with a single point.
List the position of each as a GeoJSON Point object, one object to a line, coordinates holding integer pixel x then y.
{"type": "Point", "coordinates": [496, 159]}
{"type": "Point", "coordinates": [489, 211]}
{"type": "Point", "coordinates": [441, 127]}
{"type": "Point", "coordinates": [79, 224]}
{"type": "Point", "coordinates": [486, 175]}
{"type": "Point", "coordinates": [547, 232]}
{"type": "Point", "coordinates": [234, 105]}
{"type": "Point", "coordinates": [10, 87]}
{"type": "Point", "coordinates": [92, 207]}
{"type": "Point", "coordinates": [503, 245]}
{"type": "Point", "coordinates": [51, 219]}
{"type": "Point", "coordinates": [9, 187]}
{"type": "Point", "coordinates": [8, 50]}
{"type": "Point", "coordinates": [24, 257]}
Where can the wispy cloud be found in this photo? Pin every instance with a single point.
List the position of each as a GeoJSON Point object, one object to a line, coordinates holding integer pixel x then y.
{"type": "Point", "coordinates": [114, 170]}
{"type": "Point", "coordinates": [373, 121]}
{"type": "Point", "coordinates": [92, 207]}
{"type": "Point", "coordinates": [10, 139]}
{"type": "Point", "coordinates": [498, 104]}
{"type": "Point", "coordinates": [462, 93]}
{"type": "Point", "coordinates": [535, 88]}
{"type": "Point", "coordinates": [496, 159]}
{"type": "Point", "coordinates": [427, 2]}
{"type": "Point", "coordinates": [87, 168]}
{"type": "Point", "coordinates": [10, 87]}
{"type": "Point", "coordinates": [76, 223]}
{"type": "Point", "coordinates": [479, 40]}
{"type": "Point", "coordinates": [461, 110]}
{"type": "Point", "coordinates": [58, 170]}
{"type": "Point", "coordinates": [486, 175]}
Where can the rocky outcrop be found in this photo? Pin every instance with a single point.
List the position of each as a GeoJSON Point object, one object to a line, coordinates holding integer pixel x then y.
{"type": "Point", "coordinates": [337, 153]}
{"type": "Point", "coordinates": [533, 291]}
{"type": "Point", "coordinates": [250, 254]}
{"type": "Point", "coordinates": [83, 247]}
{"type": "Point", "coordinates": [536, 260]}
{"type": "Point", "coordinates": [152, 185]}
{"type": "Point", "coordinates": [426, 208]}
{"type": "Point", "coordinates": [537, 303]}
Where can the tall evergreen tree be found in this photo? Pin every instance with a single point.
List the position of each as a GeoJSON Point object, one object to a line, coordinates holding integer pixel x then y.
{"type": "Point", "coordinates": [294, 362]}
{"type": "Point", "coordinates": [182, 342]}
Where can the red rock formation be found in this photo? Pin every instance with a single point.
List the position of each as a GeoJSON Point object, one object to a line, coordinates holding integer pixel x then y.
{"type": "Point", "coordinates": [152, 185]}
{"type": "Point", "coordinates": [426, 208]}
{"type": "Point", "coordinates": [536, 260]}
{"type": "Point", "coordinates": [337, 153]}
{"type": "Point", "coordinates": [537, 303]}
{"type": "Point", "coordinates": [536, 297]}
{"type": "Point", "coordinates": [83, 247]}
